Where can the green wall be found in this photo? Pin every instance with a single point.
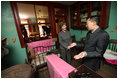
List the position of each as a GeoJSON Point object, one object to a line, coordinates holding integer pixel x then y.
{"type": "Point", "coordinates": [111, 29]}
{"type": "Point", "coordinates": [112, 20]}
{"type": "Point", "coordinates": [17, 54]}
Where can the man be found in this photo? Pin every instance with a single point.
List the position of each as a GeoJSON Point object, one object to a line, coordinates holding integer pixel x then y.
{"type": "Point", "coordinates": [95, 44]}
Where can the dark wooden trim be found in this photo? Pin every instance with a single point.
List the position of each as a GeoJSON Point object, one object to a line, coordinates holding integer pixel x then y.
{"type": "Point", "coordinates": [59, 15]}
{"type": "Point", "coordinates": [67, 18]}
{"type": "Point", "coordinates": [71, 15]}
{"type": "Point", "coordinates": [35, 12]}
{"type": "Point", "coordinates": [46, 3]}
{"type": "Point", "coordinates": [58, 5]}
{"type": "Point", "coordinates": [89, 9]}
{"type": "Point", "coordinates": [35, 23]}
{"type": "Point", "coordinates": [17, 22]}
{"type": "Point", "coordinates": [53, 28]}
{"type": "Point", "coordinates": [105, 13]}
{"type": "Point", "coordinates": [89, 13]}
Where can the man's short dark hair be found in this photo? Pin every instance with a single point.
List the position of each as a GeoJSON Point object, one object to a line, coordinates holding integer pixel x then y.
{"type": "Point", "coordinates": [95, 18]}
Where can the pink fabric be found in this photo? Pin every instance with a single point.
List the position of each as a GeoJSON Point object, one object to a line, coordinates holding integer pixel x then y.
{"type": "Point", "coordinates": [57, 67]}
{"type": "Point", "coordinates": [47, 42]}
{"type": "Point", "coordinates": [111, 61]}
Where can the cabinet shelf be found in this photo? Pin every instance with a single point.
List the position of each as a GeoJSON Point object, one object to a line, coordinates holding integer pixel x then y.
{"type": "Point", "coordinates": [97, 9]}
{"type": "Point", "coordinates": [83, 11]}
{"type": "Point", "coordinates": [87, 9]}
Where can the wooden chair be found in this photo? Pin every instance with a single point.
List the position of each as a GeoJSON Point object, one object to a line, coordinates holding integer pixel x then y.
{"type": "Point", "coordinates": [113, 45]}
{"type": "Point", "coordinates": [112, 50]}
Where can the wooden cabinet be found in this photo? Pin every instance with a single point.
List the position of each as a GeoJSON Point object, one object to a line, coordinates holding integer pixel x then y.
{"type": "Point", "coordinates": [82, 10]}
{"type": "Point", "coordinates": [83, 14]}
{"type": "Point", "coordinates": [74, 16]}
{"type": "Point", "coordinates": [60, 14]}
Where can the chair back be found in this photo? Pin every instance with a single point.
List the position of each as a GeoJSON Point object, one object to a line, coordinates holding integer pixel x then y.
{"type": "Point", "coordinates": [113, 45]}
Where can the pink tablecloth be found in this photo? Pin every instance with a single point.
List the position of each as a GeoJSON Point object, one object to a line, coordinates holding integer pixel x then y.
{"type": "Point", "coordinates": [42, 43]}
{"type": "Point", "coordinates": [57, 67]}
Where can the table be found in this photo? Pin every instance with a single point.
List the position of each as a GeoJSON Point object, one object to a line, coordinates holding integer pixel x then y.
{"type": "Point", "coordinates": [17, 71]}
{"type": "Point", "coordinates": [57, 67]}
{"type": "Point", "coordinates": [84, 72]}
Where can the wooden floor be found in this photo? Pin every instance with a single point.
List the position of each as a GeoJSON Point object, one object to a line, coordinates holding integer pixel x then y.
{"type": "Point", "coordinates": [106, 70]}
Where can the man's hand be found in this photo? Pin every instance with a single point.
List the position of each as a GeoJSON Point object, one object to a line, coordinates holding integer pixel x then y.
{"type": "Point", "coordinates": [79, 56]}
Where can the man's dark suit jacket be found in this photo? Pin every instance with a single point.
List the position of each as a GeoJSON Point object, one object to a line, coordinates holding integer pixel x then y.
{"type": "Point", "coordinates": [95, 46]}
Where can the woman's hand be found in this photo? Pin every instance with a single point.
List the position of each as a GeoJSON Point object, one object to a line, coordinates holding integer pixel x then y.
{"type": "Point", "coordinates": [68, 47]}
{"type": "Point", "coordinates": [71, 45]}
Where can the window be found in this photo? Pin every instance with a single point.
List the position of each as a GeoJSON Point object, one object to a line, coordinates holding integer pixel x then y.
{"type": "Point", "coordinates": [37, 21]}
{"type": "Point", "coordinates": [34, 20]}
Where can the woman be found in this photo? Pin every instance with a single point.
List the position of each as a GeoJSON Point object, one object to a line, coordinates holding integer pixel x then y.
{"type": "Point", "coordinates": [65, 40]}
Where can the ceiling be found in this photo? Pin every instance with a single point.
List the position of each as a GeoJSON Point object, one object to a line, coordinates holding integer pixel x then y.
{"type": "Point", "coordinates": [65, 2]}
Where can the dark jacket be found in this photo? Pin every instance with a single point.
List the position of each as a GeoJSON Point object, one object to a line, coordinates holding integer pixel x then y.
{"type": "Point", "coordinates": [95, 46]}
